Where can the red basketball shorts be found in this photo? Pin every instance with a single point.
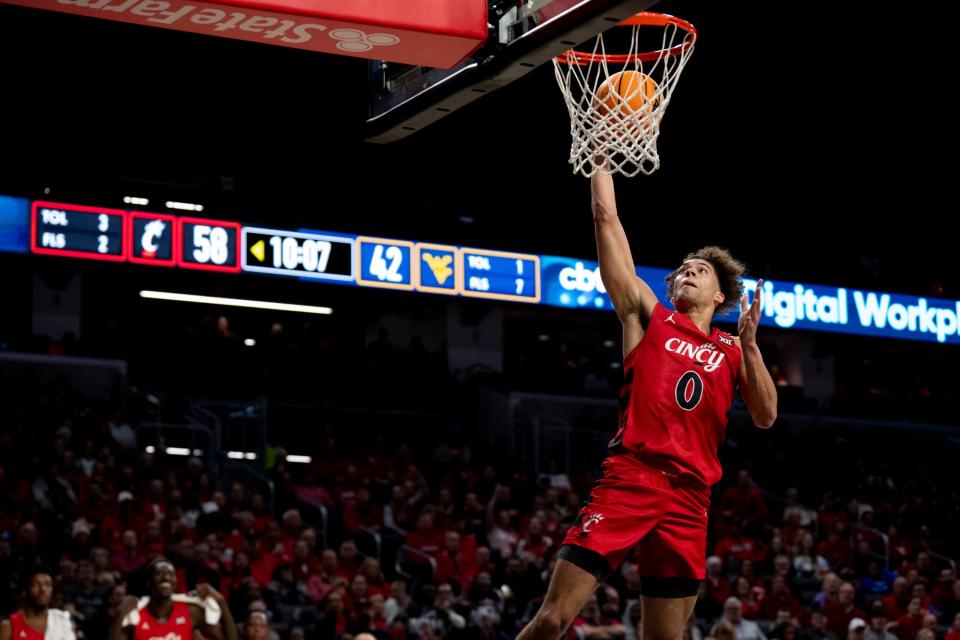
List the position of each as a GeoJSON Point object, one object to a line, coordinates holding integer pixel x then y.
{"type": "Point", "coordinates": [635, 507]}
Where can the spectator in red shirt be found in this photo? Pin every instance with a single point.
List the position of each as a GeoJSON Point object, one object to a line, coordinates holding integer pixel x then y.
{"type": "Point", "coordinates": [534, 546]}
{"type": "Point", "coordinates": [376, 584]}
{"type": "Point", "coordinates": [942, 591]}
{"type": "Point", "coordinates": [484, 561]}
{"type": "Point", "coordinates": [154, 507]}
{"type": "Point", "coordinates": [130, 558]}
{"type": "Point", "coordinates": [747, 570]}
{"type": "Point", "coordinates": [841, 612]}
{"type": "Point", "coordinates": [362, 512]}
{"type": "Point", "coordinates": [452, 563]}
{"type": "Point", "coordinates": [830, 515]}
{"type": "Point", "coordinates": [747, 594]}
{"type": "Point", "coordinates": [922, 564]}
{"type": "Point", "coordinates": [781, 599]}
{"type": "Point", "coordinates": [735, 546]}
{"type": "Point", "coordinates": [900, 546]}
{"type": "Point", "coordinates": [920, 591]}
{"type": "Point", "coordinates": [835, 549]}
{"type": "Point", "coordinates": [270, 554]}
{"type": "Point", "coordinates": [322, 583]}
{"type": "Point", "coordinates": [292, 527]}
{"type": "Point", "coordinates": [743, 502]}
{"type": "Point", "coordinates": [258, 506]}
{"type": "Point", "coordinates": [356, 594]}
{"type": "Point", "coordinates": [425, 538]}
{"type": "Point", "coordinates": [127, 517]}
{"type": "Point", "coordinates": [716, 588]}
{"type": "Point", "coordinates": [238, 572]}
{"type": "Point", "coordinates": [378, 615]}
{"type": "Point", "coordinates": [348, 565]}
{"type": "Point", "coordinates": [950, 605]}
{"type": "Point", "coordinates": [895, 604]}
{"type": "Point", "coordinates": [305, 564]}
{"type": "Point", "coordinates": [592, 624]}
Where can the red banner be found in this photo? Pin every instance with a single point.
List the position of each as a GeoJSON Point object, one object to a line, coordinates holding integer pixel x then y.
{"type": "Point", "coordinates": [422, 32]}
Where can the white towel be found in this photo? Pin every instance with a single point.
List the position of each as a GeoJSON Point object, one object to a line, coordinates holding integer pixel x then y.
{"type": "Point", "coordinates": [59, 626]}
{"type": "Point", "coordinates": [211, 610]}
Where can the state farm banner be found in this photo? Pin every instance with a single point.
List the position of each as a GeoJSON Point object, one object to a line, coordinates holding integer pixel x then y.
{"type": "Point", "coordinates": [420, 32]}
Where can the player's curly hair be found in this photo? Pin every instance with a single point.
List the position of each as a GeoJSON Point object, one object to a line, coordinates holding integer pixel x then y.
{"type": "Point", "coordinates": [729, 271]}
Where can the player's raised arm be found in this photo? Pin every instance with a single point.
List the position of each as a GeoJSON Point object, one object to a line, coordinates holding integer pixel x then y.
{"type": "Point", "coordinates": [757, 388]}
{"type": "Point", "coordinates": [631, 296]}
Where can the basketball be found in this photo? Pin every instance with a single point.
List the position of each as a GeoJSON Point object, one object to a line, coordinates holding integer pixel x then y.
{"type": "Point", "coordinates": [627, 93]}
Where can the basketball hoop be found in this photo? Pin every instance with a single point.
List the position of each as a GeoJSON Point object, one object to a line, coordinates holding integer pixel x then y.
{"type": "Point", "coordinates": [615, 130]}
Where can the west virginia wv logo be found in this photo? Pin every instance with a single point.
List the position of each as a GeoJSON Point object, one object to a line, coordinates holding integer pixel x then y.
{"type": "Point", "coordinates": [440, 266]}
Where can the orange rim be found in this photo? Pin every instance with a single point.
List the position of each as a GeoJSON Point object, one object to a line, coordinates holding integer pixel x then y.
{"type": "Point", "coordinates": [643, 19]}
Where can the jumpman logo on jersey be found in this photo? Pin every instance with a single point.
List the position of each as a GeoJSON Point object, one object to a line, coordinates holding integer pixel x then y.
{"type": "Point", "coordinates": [670, 318]}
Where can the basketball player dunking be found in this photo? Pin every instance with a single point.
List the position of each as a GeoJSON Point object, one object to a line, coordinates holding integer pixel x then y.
{"type": "Point", "coordinates": [169, 616]}
{"type": "Point", "coordinates": [679, 382]}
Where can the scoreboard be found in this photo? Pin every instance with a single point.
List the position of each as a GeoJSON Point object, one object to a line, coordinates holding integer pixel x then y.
{"type": "Point", "coordinates": [165, 240]}
{"type": "Point", "coordinates": [206, 244]}
{"type": "Point", "coordinates": [289, 253]}
{"type": "Point", "coordinates": [78, 231]}
{"type": "Point", "coordinates": [500, 275]}
{"type": "Point", "coordinates": [209, 245]}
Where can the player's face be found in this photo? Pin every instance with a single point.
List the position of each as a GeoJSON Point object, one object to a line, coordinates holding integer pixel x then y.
{"type": "Point", "coordinates": [695, 283]}
{"type": "Point", "coordinates": [40, 590]}
{"type": "Point", "coordinates": [164, 581]}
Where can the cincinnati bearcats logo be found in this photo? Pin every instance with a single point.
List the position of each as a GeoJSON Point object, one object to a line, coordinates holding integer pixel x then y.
{"type": "Point", "coordinates": [726, 341]}
{"type": "Point", "coordinates": [589, 522]}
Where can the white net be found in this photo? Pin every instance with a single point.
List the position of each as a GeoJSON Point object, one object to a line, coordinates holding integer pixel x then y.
{"type": "Point", "coordinates": [615, 115]}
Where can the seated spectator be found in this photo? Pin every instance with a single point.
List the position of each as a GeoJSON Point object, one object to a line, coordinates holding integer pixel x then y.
{"type": "Point", "coordinates": [834, 549]}
{"type": "Point", "coordinates": [425, 538]}
{"type": "Point", "coordinates": [593, 624]}
{"type": "Point", "coordinates": [742, 629]}
{"type": "Point", "coordinates": [440, 618]}
{"type": "Point", "coordinates": [879, 627]}
{"type": "Point", "coordinates": [841, 612]}
{"type": "Point", "coordinates": [453, 565]}
{"type": "Point", "coordinates": [748, 596]}
{"type": "Point", "coordinates": [878, 581]}
{"type": "Point", "coordinates": [399, 604]}
{"type": "Point", "coordinates": [736, 546]}
{"type": "Point", "coordinates": [895, 604]}
{"type": "Point", "coordinates": [818, 627]}
{"type": "Point", "coordinates": [716, 589]}
{"type": "Point", "coordinates": [781, 598]}
{"type": "Point", "coordinates": [954, 632]}
{"type": "Point", "coordinates": [743, 502]}
{"type": "Point", "coordinates": [130, 558]}
{"type": "Point", "coordinates": [856, 629]}
{"type": "Point", "coordinates": [911, 621]}
{"type": "Point", "coordinates": [534, 546]}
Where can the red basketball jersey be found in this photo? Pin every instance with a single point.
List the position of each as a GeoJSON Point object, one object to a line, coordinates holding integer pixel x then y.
{"type": "Point", "coordinates": [177, 626]}
{"type": "Point", "coordinates": [21, 630]}
{"type": "Point", "coordinates": [678, 386]}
